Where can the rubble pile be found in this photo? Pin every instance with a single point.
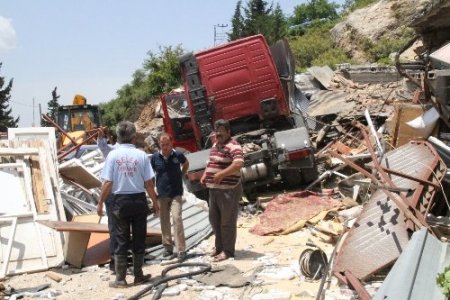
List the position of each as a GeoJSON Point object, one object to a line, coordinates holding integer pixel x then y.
{"type": "Point", "coordinates": [382, 186]}
{"type": "Point", "coordinates": [375, 223]}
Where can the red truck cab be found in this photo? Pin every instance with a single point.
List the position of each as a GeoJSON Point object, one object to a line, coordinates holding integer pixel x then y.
{"type": "Point", "coordinates": [240, 82]}
{"type": "Point", "coordinates": [237, 81]}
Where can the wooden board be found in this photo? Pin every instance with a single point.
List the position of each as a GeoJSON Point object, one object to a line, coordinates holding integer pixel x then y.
{"type": "Point", "coordinates": [97, 252]}
{"type": "Point", "coordinates": [397, 127]}
{"type": "Point", "coordinates": [38, 186]}
{"type": "Point", "coordinates": [81, 175]}
{"type": "Point", "coordinates": [87, 242]}
{"type": "Point", "coordinates": [77, 242]}
{"type": "Point", "coordinates": [88, 227]}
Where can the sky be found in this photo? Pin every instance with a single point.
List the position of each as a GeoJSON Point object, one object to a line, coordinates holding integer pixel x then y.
{"type": "Point", "coordinates": [92, 48]}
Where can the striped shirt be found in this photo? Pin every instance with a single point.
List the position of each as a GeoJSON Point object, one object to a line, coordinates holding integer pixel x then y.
{"type": "Point", "coordinates": [220, 157]}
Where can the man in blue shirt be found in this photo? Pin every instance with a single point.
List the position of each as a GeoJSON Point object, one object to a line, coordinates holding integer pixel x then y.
{"type": "Point", "coordinates": [127, 174]}
{"type": "Point", "coordinates": [170, 166]}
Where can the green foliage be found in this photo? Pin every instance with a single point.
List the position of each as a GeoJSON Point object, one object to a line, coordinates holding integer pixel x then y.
{"type": "Point", "coordinates": [6, 120]}
{"type": "Point", "coordinates": [380, 51]}
{"type": "Point", "coordinates": [279, 25]}
{"type": "Point", "coordinates": [443, 281]}
{"type": "Point", "coordinates": [331, 58]}
{"type": "Point", "coordinates": [258, 18]}
{"type": "Point", "coordinates": [316, 47]}
{"type": "Point", "coordinates": [237, 23]}
{"type": "Point", "coordinates": [160, 73]}
{"type": "Point", "coordinates": [306, 13]}
{"type": "Point", "coordinates": [52, 108]}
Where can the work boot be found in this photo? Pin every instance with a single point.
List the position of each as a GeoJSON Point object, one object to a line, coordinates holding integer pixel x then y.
{"type": "Point", "coordinates": [167, 253]}
{"type": "Point", "coordinates": [182, 256]}
{"type": "Point", "coordinates": [121, 272]}
{"type": "Point", "coordinates": [138, 262]}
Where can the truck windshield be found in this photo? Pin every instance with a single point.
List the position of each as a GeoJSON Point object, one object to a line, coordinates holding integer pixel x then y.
{"type": "Point", "coordinates": [177, 106]}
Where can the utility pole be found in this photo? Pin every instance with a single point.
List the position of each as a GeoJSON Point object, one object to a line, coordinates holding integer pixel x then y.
{"type": "Point", "coordinates": [219, 35]}
{"type": "Point", "coordinates": [33, 113]}
{"type": "Point", "coordinates": [40, 115]}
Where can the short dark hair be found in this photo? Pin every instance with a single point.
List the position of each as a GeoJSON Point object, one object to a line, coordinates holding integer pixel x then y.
{"type": "Point", "coordinates": [126, 131]}
{"type": "Point", "coordinates": [222, 123]}
{"type": "Point", "coordinates": [165, 135]}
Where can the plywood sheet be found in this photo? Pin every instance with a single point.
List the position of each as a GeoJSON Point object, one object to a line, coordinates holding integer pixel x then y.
{"type": "Point", "coordinates": [97, 252]}
{"type": "Point", "coordinates": [77, 242]}
{"type": "Point", "coordinates": [88, 227]}
{"type": "Point", "coordinates": [38, 186]}
{"type": "Point", "coordinates": [403, 114]}
{"type": "Point", "coordinates": [80, 175]}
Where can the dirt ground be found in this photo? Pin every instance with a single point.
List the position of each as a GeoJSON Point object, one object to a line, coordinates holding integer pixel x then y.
{"type": "Point", "coordinates": [251, 252]}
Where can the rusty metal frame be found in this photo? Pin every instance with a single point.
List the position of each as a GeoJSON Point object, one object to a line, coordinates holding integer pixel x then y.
{"type": "Point", "coordinates": [54, 124]}
{"type": "Point", "coordinates": [73, 145]}
{"type": "Point", "coordinates": [404, 207]}
{"type": "Point", "coordinates": [381, 231]}
{"type": "Point", "coordinates": [357, 286]}
{"type": "Point", "coordinates": [77, 146]}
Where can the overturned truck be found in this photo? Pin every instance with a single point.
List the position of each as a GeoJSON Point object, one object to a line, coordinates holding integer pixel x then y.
{"type": "Point", "coordinates": [252, 86]}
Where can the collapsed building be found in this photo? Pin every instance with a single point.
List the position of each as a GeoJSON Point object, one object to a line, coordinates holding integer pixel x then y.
{"type": "Point", "coordinates": [382, 140]}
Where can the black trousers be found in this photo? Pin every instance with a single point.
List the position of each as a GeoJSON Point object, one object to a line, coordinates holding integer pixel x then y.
{"type": "Point", "coordinates": [130, 222]}
{"type": "Point", "coordinates": [112, 233]}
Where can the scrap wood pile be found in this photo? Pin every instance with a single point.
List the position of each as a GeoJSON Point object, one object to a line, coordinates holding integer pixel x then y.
{"type": "Point", "coordinates": [56, 202]}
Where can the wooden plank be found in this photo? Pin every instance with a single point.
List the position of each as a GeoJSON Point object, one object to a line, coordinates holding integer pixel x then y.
{"type": "Point", "coordinates": [81, 175]}
{"type": "Point", "coordinates": [97, 252]}
{"type": "Point", "coordinates": [88, 227]}
{"type": "Point", "coordinates": [77, 242]}
{"type": "Point", "coordinates": [53, 275]}
{"type": "Point", "coordinates": [38, 185]}
{"type": "Point", "coordinates": [397, 127]}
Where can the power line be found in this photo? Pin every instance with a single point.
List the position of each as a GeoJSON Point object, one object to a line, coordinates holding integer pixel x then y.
{"type": "Point", "coordinates": [219, 35]}
{"type": "Point", "coordinates": [28, 105]}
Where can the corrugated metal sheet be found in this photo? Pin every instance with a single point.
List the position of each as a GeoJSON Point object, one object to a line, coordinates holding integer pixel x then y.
{"type": "Point", "coordinates": [376, 239]}
{"type": "Point", "coordinates": [379, 235]}
{"type": "Point", "coordinates": [196, 227]}
{"type": "Point", "coordinates": [414, 274]}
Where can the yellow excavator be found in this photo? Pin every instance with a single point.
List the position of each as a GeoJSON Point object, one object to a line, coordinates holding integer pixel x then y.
{"type": "Point", "coordinates": [77, 124]}
{"type": "Point", "coordinates": [77, 120]}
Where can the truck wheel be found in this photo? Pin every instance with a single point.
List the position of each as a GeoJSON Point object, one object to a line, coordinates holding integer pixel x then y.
{"type": "Point", "coordinates": [290, 177]}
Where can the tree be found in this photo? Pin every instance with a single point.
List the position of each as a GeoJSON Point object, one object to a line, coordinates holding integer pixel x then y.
{"type": "Point", "coordinates": [279, 25]}
{"type": "Point", "coordinates": [52, 108]}
{"type": "Point", "coordinates": [237, 23]}
{"type": "Point", "coordinates": [314, 11]}
{"type": "Point", "coordinates": [160, 73]}
{"type": "Point", "coordinates": [259, 18]}
{"type": "Point", "coordinates": [6, 120]}
{"type": "Point", "coordinates": [257, 15]}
